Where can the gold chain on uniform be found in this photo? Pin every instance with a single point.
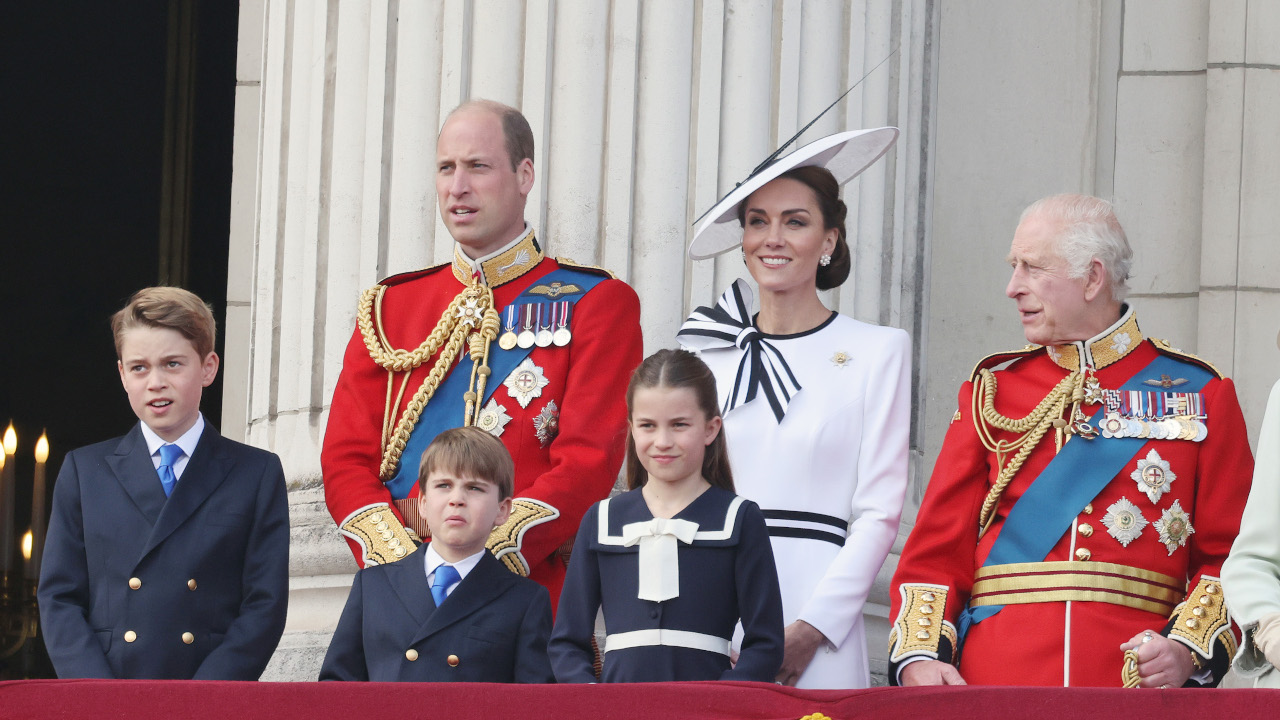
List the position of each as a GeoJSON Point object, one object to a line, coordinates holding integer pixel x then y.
{"type": "Point", "coordinates": [450, 332]}
{"type": "Point", "coordinates": [1031, 429]}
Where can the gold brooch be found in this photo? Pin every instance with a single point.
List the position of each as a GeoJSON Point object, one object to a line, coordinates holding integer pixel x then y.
{"type": "Point", "coordinates": [841, 359]}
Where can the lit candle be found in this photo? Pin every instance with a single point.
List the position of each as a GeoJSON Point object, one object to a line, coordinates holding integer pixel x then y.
{"type": "Point", "coordinates": [39, 522]}
{"type": "Point", "coordinates": [26, 553]}
{"type": "Point", "coordinates": [7, 529]}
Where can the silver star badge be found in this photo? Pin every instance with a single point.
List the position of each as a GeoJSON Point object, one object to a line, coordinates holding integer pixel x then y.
{"type": "Point", "coordinates": [547, 423]}
{"type": "Point", "coordinates": [1174, 527]}
{"type": "Point", "coordinates": [526, 382]}
{"type": "Point", "coordinates": [1124, 521]}
{"type": "Point", "coordinates": [493, 418]}
{"type": "Point", "coordinates": [1153, 476]}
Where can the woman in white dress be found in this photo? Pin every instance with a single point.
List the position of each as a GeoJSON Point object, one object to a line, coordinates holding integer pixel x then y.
{"type": "Point", "coordinates": [1251, 574]}
{"type": "Point", "coordinates": [817, 405]}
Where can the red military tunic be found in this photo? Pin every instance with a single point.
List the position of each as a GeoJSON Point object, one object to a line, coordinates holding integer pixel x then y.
{"type": "Point", "coordinates": [1115, 576]}
{"type": "Point", "coordinates": [561, 468]}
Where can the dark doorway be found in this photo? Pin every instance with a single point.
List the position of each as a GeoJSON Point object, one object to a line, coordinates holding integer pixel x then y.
{"type": "Point", "coordinates": [116, 119]}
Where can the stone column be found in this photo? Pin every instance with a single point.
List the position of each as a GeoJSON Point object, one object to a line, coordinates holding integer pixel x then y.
{"type": "Point", "coordinates": [643, 115]}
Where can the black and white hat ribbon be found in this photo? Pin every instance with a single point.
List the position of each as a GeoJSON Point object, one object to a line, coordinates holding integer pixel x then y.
{"type": "Point", "coordinates": [763, 370]}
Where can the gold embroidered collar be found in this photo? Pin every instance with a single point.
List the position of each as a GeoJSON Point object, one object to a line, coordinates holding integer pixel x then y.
{"type": "Point", "coordinates": [503, 266]}
{"type": "Point", "coordinates": [1104, 349]}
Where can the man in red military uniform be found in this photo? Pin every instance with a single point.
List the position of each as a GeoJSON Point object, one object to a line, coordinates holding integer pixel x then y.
{"type": "Point", "coordinates": [1087, 492]}
{"type": "Point", "coordinates": [536, 351]}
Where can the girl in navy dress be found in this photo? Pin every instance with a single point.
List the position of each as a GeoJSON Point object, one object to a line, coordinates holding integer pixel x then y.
{"type": "Point", "coordinates": [676, 562]}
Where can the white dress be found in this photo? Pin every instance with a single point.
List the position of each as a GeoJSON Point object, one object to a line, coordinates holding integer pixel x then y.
{"type": "Point", "coordinates": [837, 459]}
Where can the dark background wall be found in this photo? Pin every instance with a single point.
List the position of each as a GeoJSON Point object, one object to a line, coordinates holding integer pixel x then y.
{"type": "Point", "coordinates": [82, 124]}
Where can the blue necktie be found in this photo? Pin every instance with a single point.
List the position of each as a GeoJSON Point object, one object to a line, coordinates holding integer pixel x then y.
{"type": "Point", "coordinates": [169, 454]}
{"type": "Point", "coordinates": [446, 577]}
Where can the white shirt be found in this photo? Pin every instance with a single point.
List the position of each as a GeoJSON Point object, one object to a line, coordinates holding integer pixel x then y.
{"type": "Point", "coordinates": [187, 442]}
{"type": "Point", "coordinates": [463, 566]}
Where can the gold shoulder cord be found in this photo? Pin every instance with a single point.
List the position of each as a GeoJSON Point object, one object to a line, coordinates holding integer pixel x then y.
{"type": "Point", "coordinates": [1049, 413]}
{"type": "Point", "coordinates": [470, 314]}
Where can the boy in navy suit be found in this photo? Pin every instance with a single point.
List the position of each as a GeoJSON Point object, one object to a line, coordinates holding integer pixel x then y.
{"type": "Point", "coordinates": [168, 548]}
{"type": "Point", "coordinates": [451, 612]}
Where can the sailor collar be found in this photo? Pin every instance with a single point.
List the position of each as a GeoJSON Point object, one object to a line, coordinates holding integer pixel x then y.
{"type": "Point", "coordinates": [502, 266]}
{"type": "Point", "coordinates": [1103, 349]}
{"type": "Point", "coordinates": [714, 514]}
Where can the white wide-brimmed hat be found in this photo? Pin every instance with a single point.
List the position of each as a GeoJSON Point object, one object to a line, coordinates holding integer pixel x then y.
{"type": "Point", "coordinates": [845, 154]}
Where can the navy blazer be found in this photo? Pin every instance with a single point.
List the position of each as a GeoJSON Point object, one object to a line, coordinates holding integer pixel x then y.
{"type": "Point", "coordinates": [493, 627]}
{"type": "Point", "coordinates": [137, 585]}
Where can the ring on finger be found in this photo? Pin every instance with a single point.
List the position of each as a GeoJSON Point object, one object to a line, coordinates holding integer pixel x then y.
{"type": "Point", "coordinates": [1146, 636]}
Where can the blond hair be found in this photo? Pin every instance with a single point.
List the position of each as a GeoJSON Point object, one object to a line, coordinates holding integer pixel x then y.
{"type": "Point", "coordinates": [169, 308]}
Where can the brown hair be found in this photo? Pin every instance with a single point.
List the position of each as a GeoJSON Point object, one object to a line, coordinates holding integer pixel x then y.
{"type": "Point", "coordinates": [516, 133]}
{"type": "Point", "coordinates": [826, 192]}
{"type": "Point", "coordinates": [170, 308]}
{"type": "Point", "coordinates": [471, 452]}
{"type": "Point", "coordinates": [680, 369]}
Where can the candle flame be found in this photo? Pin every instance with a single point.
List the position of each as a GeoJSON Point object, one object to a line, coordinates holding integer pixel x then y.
{"type": "Point", "coordinates": [26, 546]}
{"type": "Point", "coordinates": [10, 440]}
{"type": "Point", "coordinates": [42, 448]}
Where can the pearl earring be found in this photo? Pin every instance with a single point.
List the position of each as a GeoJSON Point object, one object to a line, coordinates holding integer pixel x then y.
{"type": "Point", "coordinates": [825, 260]}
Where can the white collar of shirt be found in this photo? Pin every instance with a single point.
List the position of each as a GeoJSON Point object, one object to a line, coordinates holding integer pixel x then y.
{"type": "Point", "coordinates": [478, 263]}
{"type": "Point", "coordinates": [463, 566]}
{"type": "Point", "coordinates": [187, 442]}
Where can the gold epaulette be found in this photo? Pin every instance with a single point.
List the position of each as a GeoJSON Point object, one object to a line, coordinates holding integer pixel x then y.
{"type": "Point", "coordinates": [589, 268]}
{"type": "Point", "coordinates": [379, 533]}
{"type": "Point", "coordinates": [506, 539]}
{"type": "Point", "coordinates": [1203, 619]}
{"type": "Point", "coordinates": [920, 627]}
{"type": "Point", "coordinates": [1164, 347]}
{"type": "Point", "coordinates": [1000, 358]}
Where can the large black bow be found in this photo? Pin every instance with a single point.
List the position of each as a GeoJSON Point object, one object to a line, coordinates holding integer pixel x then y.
{"type": "Point", "coordinates": [762, 370]}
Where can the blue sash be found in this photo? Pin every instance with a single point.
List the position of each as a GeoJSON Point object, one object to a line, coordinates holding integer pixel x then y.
{"type": "Point", "coordinates": [446, 406]}
{"type": "Point", "coordinates": [1070, 481]}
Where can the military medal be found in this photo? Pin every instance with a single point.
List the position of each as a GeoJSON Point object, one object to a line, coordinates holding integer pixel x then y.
{"type": "Point", "coordinates": [525, 338]}
{"type": "Point", "coordinates": [508, 339]}
{"type": "Point", "coordinates": [546, 425]}
{"type": "Point", "coordinates": [526, 382]}
{"type": "Point", "coordinates": [562, 336]}
{"type": "Point", "coordinates": [493, 418]}
{"type": "Point", "coordinates": [1124, 521]}
{"type": "Point", "coordinates": [1153, 475]}
{"type": "Point", "coordinates": [1174, 527]}
{"type": "Point", "coordinates": [543, 338]}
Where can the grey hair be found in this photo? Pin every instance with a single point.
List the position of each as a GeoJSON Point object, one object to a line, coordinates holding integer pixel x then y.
{"type": "Point", "coordinates": [1090, 231]}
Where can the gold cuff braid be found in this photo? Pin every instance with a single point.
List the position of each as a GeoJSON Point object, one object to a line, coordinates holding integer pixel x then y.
{"type": "Point", "coordinates": [506, 539]}
{"type": "Point", "coordinates": [380, 534]}
{"type": "Point", "coordinates": [920, 625]}
{"type": "Point", "coordinates": [1204, 618]}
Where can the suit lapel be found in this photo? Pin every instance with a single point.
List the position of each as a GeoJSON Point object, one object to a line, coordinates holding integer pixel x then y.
{"type": "Point", "coordinates": [486, 581]}
{"type": "Point", "coordinates": [131, 464]}
{"type": "Point", "coordinates": [205, 471]}
{"type": "Point", "coordinates": [408, 581]}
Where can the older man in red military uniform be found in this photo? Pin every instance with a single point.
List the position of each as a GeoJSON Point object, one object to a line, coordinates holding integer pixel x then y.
{"type": "Point", "coordinates": [1087, 492]}
{"type": "Point", "coordinates": [536, 351]}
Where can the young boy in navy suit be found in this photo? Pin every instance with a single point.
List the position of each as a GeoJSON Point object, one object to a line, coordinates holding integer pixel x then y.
{"type": "Point", "coordinates": [168, 548]}
{"type": "Point", "coordinates": [451, 612]}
